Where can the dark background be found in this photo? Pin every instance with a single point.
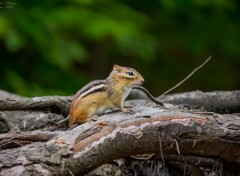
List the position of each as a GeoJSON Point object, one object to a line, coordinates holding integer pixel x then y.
{"type": "Point", "coordinates": [55, 47]}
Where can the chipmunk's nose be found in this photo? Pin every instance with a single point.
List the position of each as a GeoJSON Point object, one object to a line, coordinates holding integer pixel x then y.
{"type": "Point", "coordinates": [141, 80]}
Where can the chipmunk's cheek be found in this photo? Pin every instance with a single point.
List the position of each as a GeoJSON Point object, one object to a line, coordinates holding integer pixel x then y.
{"type": "Point", "coordinates": [138, 82]}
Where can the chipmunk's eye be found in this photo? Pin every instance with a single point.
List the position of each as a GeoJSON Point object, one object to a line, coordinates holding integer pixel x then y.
{"type": "Point", "coordinates": [130, 73]}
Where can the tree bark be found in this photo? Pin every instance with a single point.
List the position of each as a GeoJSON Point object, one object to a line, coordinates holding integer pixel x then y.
{"type": "Point", "coordinates": [185, 137]}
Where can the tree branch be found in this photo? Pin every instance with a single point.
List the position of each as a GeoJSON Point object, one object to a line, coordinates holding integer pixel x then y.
{"type": "Point", "coordinates": [58, 104]}
{"type": "Point", "coordinates": [217, 101]}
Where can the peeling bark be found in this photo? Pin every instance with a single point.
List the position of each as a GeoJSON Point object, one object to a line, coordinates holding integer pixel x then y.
{"type": "Point", "coordinates": [181, 140]}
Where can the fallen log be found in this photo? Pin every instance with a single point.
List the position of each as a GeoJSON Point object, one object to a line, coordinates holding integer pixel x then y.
{"type": "Point", "coordinates": [200, 139]}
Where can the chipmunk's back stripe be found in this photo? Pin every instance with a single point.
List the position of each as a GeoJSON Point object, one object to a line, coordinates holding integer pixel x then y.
{"type": "Point", "coordinates": [94, 89]}
{"type": "Point", "coordinates": [88, 87]}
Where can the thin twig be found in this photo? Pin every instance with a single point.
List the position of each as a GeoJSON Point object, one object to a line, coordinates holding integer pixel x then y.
{"type": "Point", "coordinates": [186, 77]}
{"type": "Point", "coordinates": [161, 151]}
{"type": "Point", "coordinates": [70, 172]}
{"type": "Point", "coordinates": [185, 166]}
{"type": "Point", "coordinates": [148, 94]}
{"type": "Point", "coordinates": [176, 142]}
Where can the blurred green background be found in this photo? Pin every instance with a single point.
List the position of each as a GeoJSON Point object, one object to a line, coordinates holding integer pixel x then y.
{"type": "Point", "coordinates": [55, 47]}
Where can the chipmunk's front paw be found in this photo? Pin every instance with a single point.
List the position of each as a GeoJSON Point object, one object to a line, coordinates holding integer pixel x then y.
{"type": "Point", "coordinates": [127, 111]}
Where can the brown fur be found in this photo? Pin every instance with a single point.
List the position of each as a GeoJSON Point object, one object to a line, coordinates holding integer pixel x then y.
{"type": "Point", "coordinates": [116, 87]}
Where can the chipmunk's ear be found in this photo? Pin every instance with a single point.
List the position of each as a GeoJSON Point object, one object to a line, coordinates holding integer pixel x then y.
{"type": "Point", "coordinates": [116, 67]}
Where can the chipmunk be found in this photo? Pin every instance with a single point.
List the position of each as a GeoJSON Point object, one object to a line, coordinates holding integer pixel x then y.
{"type": "Point", "coordinates": [99, 96]}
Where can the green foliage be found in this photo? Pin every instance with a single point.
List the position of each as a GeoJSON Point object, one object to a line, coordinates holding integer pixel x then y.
{"type": "Point", "coordinates": [55, 47]}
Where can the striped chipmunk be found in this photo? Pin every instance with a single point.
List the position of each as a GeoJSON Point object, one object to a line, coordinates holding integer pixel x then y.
{"type": "Point", "coordinates": [99, 96]}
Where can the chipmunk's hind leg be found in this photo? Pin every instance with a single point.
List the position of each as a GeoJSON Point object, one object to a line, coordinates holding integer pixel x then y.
{"type": "Point", "coordinates": [93, 118]}
{"type": "Point", "coordinates": [77, 116]}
